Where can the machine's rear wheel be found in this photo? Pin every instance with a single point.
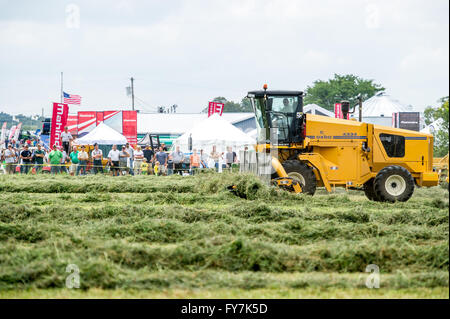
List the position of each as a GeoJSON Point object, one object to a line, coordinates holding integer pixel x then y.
{"type": "Point", "coordinates": [303, 174]}
{"type": "Point", "coordinates": [393, 183]}
{"type": "Point", "coordinates": [369, 190]}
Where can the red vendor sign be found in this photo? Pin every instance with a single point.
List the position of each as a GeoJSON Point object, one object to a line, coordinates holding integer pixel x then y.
{"type": "Point", "coordinates": [129, 127]}
{"type": "Point", "coordinates": [59, 120]}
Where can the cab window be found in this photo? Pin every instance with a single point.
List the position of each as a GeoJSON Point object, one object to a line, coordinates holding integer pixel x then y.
{"type": "Point", "coordinates": [394, 145]}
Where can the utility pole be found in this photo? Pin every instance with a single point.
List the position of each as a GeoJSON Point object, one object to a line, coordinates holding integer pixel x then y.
{"type": "Point", "coordinates": [132, 94]}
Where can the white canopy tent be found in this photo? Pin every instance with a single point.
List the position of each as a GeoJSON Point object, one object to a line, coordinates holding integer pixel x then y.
{"type": "Point", "coordinates": [318, 110]}
{"type": "Point", "coordinates": [214, 130]}
{"type": "Point", "coordinates": [102, 135]}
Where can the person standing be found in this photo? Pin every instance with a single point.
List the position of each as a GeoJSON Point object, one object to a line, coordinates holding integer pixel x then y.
{"type": "Point", "coordinates": [66, 139]}
{"type": "Point", "coordinates": [10, 158]}
{"type": "Point", "coordinates": [194, 161]}
{"type": "Point", "coordinates": [170, 165]}
{"type": "Point", "coordinates": [230, 157]}
{"type": "Point", "coordinates": [144, 167]}
{"type": "Point", "coordinates": [25, 156]}
{"type": "Point", "coordinates": [138, 158]}
{"type": "Point", "coordinates": [39, 155]}
{"type": "Point", "coordinates": [203, 159]}
{"type": "Point", "coordinates": [113, 158]}
{"type": "Point", "coordinates": [74, 159]}
{"type": "Point", "coordinates": [123, 160]}
{"type": "Point", "coordinates": [215, 156]}
{"type": "Point", "coordinates": [83, 158]}
{"type": "Point", "coordinates": [148, 154]}
{"type": "Point", "coordinates": [130, 152]}
{"type": "Point", "coordinates": [55, 159]}
{"type": "Point", "coordinates": [161, 157]}
{"type": "Point", "coordinates": [178, 159]}
{"type": "Point", "coordinates": [97, 156]}
{"type": "Point", "coordinates": [64, 159]}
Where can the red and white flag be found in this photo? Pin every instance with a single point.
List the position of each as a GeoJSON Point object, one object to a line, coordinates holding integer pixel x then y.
{"type": "Point", "coordinates": [215, 107]}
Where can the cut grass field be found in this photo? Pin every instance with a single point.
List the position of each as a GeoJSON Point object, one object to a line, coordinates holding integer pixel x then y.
{"type": "Point", "coordinates": [188, 237]}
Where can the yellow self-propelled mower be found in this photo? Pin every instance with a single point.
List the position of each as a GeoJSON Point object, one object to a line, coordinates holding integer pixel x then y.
{"type": "Point", "coordinates": [319, 151]}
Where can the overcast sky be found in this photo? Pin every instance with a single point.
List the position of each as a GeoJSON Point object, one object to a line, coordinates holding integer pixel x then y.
{"type": "Point", "coordinates": [188, 52]}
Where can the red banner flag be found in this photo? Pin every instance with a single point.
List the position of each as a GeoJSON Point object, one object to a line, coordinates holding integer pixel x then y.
{"type": "Point", "coordinates": [59, 120]}
{"type": "Point", "coordinates": [129, 126]}
{"type": "Point", "coordinates": [215, 107]}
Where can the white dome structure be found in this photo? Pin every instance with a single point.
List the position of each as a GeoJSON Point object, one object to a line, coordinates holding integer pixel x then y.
{"type": "Point", "coordinates": [382, 105]}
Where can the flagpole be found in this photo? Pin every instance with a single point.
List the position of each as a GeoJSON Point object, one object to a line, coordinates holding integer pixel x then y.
{"type": "Point", "coordinates": [62, 94]}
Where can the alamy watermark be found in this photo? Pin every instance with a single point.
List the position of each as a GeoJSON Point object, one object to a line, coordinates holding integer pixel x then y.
{"type": "Point", "coordinates": [373, 280]}
{"type": "Point", "coordinates": [72, 16]}
{"type": "Point", "coordinates": [73, 280]}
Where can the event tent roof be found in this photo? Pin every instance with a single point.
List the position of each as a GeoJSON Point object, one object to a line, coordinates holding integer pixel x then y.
{"type": "Point", "coordinates": [382, 104]}
{"type": "Point", "coordinates": [179, 123]}
{"type": "Point", "coordinates": [318, 110]}
{"type": "Point", "coordinates": [214, 130]}
{"type": "Point", "coordinates": [102, 135]}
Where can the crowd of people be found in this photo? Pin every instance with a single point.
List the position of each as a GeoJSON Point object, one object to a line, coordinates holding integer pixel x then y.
{"type": "Point", "coordinates": [31, 157]}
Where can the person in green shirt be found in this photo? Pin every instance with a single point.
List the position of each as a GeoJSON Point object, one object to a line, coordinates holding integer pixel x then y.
{"type": "Point", "coordinates": [55, 157]}
{"type": "Point", "coordinates": [39, 158]}
{"type": "Point", "coordinates": [74, 159]}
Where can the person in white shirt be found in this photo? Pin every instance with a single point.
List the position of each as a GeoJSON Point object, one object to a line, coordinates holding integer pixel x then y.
{"type": "Point", "coordinates": [97, 156]}
{"type": "Point", "coordinates": [10, 158]}
{"type": "Point", "coordinates": [66, 139]}
{"type": "Point", "coordinates": [113, 158]}
{"type": "Point", "coordinates": [138, 158]}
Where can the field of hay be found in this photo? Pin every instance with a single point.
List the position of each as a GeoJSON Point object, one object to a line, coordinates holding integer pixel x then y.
{"type": "Point", "coordinates": [188, 237]}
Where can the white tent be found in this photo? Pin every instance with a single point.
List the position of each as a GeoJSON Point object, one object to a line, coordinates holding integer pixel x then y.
{"type": "Point", "coordinates": [214, 130]}
{"type": "Point", "coordinates": [102, 135]}
{"type": "Point", "coordinates": [316, 109]}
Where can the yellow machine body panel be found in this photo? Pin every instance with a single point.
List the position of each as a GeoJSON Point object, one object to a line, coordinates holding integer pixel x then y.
{"type": "Point", "coordinates": [353, 152]}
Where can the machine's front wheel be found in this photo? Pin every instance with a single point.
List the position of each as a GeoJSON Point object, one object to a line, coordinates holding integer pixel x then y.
{"type": "Point", "coordinates": [394, 183]}
{"type": "Point", "coordinates": [369, 191]}
{"type": "Point", "coordinates": [303, 174]}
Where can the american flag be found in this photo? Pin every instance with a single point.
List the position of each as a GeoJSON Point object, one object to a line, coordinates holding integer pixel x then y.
{"type": "Point", "coordinates": [72, 98]}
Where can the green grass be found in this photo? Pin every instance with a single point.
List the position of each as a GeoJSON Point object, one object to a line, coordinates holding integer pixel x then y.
{"type": "Point", "coordinates": [176, 237]}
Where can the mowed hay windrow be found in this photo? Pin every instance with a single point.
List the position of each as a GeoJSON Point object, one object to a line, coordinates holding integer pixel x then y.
{"type": "Point", "coordinates": [191, 232]}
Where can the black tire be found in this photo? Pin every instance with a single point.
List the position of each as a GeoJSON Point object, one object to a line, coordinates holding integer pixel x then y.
{"type": "Point", "coordinates": [369, 190]}
{"type": "Point", "coordinates": [393, 183]}
{"type": "Point", "coordinates": [295, 167]}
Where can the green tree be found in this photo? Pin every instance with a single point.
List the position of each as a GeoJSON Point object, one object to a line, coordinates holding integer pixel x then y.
{"type": "Point", "coordinates": [440, 114]}
{"type": "Point", "coordinates": [341, 87]}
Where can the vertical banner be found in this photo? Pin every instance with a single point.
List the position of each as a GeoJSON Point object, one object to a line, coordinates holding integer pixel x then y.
{"type": "Point", "coordinates": [12, 130]}
{"type": "Point", "coordinates": [17, 132]}
{"type": "Point", "coordinates": [338, 111]}
{"type": "Point", "coordinates": [3, 134]}
{"type": "Point", "coordinates": [129, 126]}
{"type": "Point", "coordinates": [59, 120]}
{"type": "Point", "coordinates": [215, 107]}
